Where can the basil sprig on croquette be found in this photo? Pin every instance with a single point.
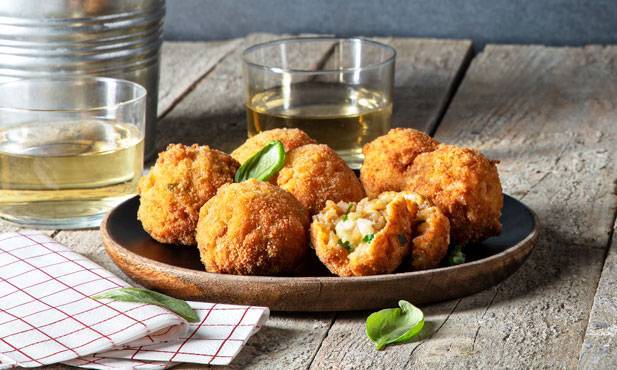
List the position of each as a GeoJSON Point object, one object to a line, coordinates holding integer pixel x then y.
{"type": "Point", "coordinates": [264, 164]}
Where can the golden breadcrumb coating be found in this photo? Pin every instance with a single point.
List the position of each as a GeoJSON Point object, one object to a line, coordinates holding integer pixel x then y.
{"type": "Point", "coordinates": [368, 238]}
{"type": "Point", "coordinates": [465, 186]}
{"type": "Point", "coordinates": [252, 228]}
{"type": "Point", "coordinates": [181, 181]}
{"type": "Point", "coordinates": [314, 174]}
{"type": "Point", "coordinates": [388, 159]}
{"type": "Point", "coordinates": [430, 233]}
{"type": "Point", "coordinates": [290, 137]}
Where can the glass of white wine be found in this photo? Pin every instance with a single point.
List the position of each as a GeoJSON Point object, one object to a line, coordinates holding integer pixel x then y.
{"type": "Point", "coordinates": [70, 149]}
{"type": "Point", "coordinates": [337, 90]}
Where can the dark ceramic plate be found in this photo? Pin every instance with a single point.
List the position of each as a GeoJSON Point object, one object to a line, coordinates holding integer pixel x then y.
{"type": "Point", "coordinates": [177, 270]}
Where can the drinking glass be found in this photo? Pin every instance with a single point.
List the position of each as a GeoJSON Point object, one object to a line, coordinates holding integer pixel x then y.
{"type": "Point", "coordinates": [70, 149]}
{"type": "Point", "coordinates": [337, 90]}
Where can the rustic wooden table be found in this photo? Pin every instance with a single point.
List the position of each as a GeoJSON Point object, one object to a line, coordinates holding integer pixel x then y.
{"type": "Point", "coordinates": [548, 114]}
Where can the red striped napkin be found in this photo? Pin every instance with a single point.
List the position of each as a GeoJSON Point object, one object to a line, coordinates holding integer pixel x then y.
{"type": "Point", "coordinates": [47, 316]}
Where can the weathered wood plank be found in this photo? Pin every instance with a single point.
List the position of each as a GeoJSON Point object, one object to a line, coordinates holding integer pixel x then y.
{"type": "Point", "coordinates": [184, 63]}
{"type": "Point", "coordinates": [426, 73]}
{"type": "Point", "coordinates": [599, 350]}
{"type": "Point", "coordinates": [286, 342]}
{"type": "Point", "coordinates": [548, 115]}
{"type": "Point", "coordinates": [347, 346]}
{"type": "Point", "coordinates": [213, 113]}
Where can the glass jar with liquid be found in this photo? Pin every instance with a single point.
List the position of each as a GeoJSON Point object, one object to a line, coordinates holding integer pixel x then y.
{"type": "Point", "coordinates": [70, 149]}
{"type": "Point", "coordinates": [339, 91]}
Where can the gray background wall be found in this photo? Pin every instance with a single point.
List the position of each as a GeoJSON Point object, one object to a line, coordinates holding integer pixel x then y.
{"type": "Point", "coordinates": [551, 22]}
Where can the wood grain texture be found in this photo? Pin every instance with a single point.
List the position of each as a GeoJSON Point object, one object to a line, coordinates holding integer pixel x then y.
{"type": "Point", "coordinates": [426, 72]}
{"type": "Point", "coordinates": [599, 350]}
{"type": "Point", "coordinates": [548, 115]}
{"type": "Point", "coordinates": [288, 341]}
{"type": "Point", "coordinates": [184, 63]}
{"type": "Point", "coordinates": [347, 347]}
{"type": "Point", "coordinates": [213, 113]}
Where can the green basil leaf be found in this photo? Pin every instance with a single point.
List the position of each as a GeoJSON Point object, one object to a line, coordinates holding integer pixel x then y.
{"type": "Point", "coordinates": [264, 164]}
{"type": "Point", "coordinates": [139, 295]}
{"type": "Point", "coordinates": [394, 325]}
{"type": "Point", "coordinates": [456, 257]}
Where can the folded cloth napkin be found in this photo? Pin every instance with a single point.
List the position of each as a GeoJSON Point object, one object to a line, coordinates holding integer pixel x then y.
{"type": "Point", "coordinates": [47, 316]}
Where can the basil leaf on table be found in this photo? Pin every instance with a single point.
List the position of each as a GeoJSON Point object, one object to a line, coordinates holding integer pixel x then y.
{"type": "Point", "coordinates": [139, 295]}
{"type": "Point", "coordinates": [456, 257]}
{"type": "Point", "coordinates": [394, 325]}
{"type": "Point", "coordinates": [264, 164]}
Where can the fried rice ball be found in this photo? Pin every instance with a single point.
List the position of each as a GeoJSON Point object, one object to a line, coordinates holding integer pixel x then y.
{"type": "Point", "coordinates": [252, 228]}
{"type": "Point", "coordinates": [388, 159]}
{"type": "Point", "coordinates": [465, 185]}
{"type": "Point", "coordinates": [314, 174]}
{"type": "Point", "coordinates": [290, 137]}
{"type": "Point", "coordinates": [366, 238]}
{"type": "Point", "coordinates": [181, 181]}
{"type": "Point", "coordinates": [430, 233]}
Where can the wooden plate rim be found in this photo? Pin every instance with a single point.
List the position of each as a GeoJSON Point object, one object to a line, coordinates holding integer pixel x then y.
{"type": "Point", "coordinates": [109, 242]}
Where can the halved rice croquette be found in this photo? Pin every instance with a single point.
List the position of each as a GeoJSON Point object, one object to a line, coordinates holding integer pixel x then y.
{"type": "Point", "coordinates": [388, 159]}
{"type": "Point", "coordinates": [314, 174]}
{"type": "Point", "coordinates": [430, 233]}
{"type": "Point", "coordinates": [181, 181]}
{"type": "Point", "coordinates": [290, 137]}
{"type": "Point", "coordinates": [252, 228]}
{"type": "Point", "coordinates": [368, 238]}
{"type": "Point", "coordinates": [465, 185]}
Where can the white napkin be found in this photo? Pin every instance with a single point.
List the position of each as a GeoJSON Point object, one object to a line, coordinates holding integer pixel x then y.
{"type": "Point", "coordinates": [47, 316]}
